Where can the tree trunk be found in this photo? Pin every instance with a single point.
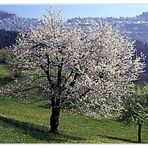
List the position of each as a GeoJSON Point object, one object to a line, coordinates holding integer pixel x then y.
{"type": "Point", "coordinates": [54, 119]}
{"type": "Point", "coordinates": [139, 132]}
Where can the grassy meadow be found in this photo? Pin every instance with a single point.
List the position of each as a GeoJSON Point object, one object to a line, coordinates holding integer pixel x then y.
{"type": "Point", "coordinates": [4, 71]}
{"type": "Point", "coordinates": [29, 123]}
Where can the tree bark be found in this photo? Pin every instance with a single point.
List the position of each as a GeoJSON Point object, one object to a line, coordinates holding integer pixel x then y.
{"type": "Point", "coordinates": [54, 119]}
{"type": "Point", "coordinates": [139, 132]}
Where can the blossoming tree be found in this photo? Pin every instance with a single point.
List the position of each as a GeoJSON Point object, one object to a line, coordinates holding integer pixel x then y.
{"type": "Point", "coordinates": [89, 70]}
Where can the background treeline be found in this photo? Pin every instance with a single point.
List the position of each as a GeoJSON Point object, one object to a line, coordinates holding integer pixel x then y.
{"type": "Point", "coordinates": [7, 38]}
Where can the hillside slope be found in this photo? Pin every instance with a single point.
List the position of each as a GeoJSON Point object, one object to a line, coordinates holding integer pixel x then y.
{"type": "Point", "coordinates": [29, 123]}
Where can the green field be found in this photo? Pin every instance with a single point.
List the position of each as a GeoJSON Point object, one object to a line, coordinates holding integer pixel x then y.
{"type": "Point", "coordinates": [4, 71]}
{"type": "Point", "coordinates": [29, 123]}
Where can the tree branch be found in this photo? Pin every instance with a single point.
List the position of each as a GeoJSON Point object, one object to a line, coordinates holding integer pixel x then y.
{"type": "Point", "coordinates": [85, 92]}
{"type": "Point", "coordinates": [47, 71]}
{"type": "Point", "coordinates": [59, 74]}
{"type": "Point", "coordinates": [74, 80]}
{"type": "Point", "coordinates": [66, 79]}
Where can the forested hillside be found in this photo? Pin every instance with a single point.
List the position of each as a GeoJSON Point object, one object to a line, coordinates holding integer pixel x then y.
{"type": "Point", "coordinates": [7, 38]}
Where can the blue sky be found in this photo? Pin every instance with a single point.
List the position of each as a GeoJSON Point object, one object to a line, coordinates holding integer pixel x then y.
{"type": "Point", "coordinates": [83, 10]}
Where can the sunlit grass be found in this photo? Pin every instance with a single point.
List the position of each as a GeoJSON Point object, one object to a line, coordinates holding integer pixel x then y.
{"type": "Point", "coordinates": [4, 71]}
{"type": "Point", "coordinates": [29, 123]}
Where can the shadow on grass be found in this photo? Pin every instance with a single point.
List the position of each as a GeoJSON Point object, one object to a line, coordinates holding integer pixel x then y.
{"type": "Point", "coordinates": [39, 132]}
{"type": "Point", "coordinates": [117, 138]}
{"type": "Point", "coordinates": [5, 80]}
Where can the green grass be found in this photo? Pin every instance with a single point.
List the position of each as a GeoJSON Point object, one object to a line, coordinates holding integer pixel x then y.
{"type": "Point", "coordinates": [4, 71]}
{"type": "Point", "coordinates": [22, 123]}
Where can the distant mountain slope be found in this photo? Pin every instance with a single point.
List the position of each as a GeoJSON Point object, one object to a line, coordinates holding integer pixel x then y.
{"type": "Point", "coordinates": [4, 15]}
{"type": "Point", "coordinates": [134, 27]}
{"type": "Point", "coordinates": [11, 22]}
{"type": "Point", "coordinates": [143, 48]}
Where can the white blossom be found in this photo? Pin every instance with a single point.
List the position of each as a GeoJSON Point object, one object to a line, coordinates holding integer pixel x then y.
{"type": "Point", "coordinates": [90, 71]}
